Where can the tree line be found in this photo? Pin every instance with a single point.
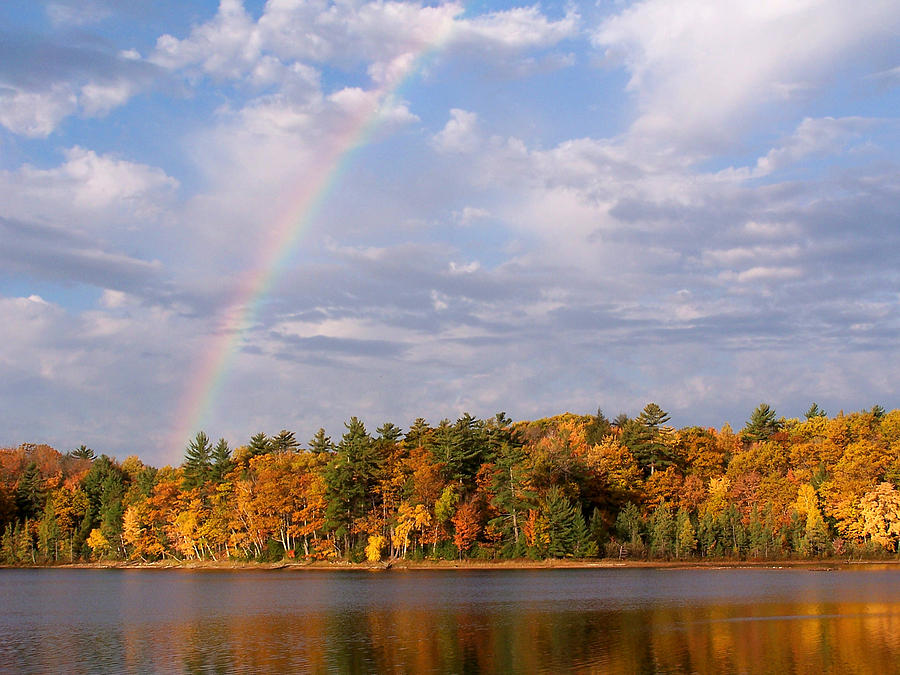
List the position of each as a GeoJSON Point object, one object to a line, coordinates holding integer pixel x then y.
{"type": "Point", "coordinates": [566, 486]}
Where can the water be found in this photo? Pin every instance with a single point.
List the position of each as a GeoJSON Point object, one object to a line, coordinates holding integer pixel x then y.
{"type": "Point", "coordinates": [528, 621]}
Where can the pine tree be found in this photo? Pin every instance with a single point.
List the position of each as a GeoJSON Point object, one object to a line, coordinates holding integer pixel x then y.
{"type": "Point", "coordinates": [815, 411]}
{"type": "Point", "coordinates": [320, 443]}
{"type": "Point", "coordinates": [418, 434]}
{"type": "Point", "coordinates": [198, 461]}
{"type": "Point", "coordinates": [83, 452]}
{"type": "Point", "coordinates": [389, 432]}
{"type": "Point", "coordinates": [30, 492]}
{"type": "Point", "coordinates": [686, 535]}
{"type": "Point", "coordinates": [348, 478]}
{"type": "Point", "coordinates": [662, 532]}
{"type": "Point", "coordinates": [259, 445]}
{"type": "Point", "coordinates": [763, 423]}
{"type": "Point", "coordinates": [644, 438]}
{"type": "Point", "coordinates": [221, 461]}
{"type": "Point", "coordinates": [629, 524]}
{"type": "Point", "coordinates": [284, 441]}
{"type": "Point", "coordinates": [598, 428]}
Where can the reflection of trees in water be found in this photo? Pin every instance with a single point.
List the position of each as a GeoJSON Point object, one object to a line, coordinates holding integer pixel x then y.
{"type": "Point", "coordinates": [771, 637]}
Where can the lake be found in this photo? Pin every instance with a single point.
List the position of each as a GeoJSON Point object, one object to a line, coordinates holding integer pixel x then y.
{"type": "Point", "coordinates": [621, 620]}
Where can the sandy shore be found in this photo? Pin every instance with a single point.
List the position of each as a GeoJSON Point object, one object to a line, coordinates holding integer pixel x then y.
{"type": "Point", "coordinates": [605, 563]}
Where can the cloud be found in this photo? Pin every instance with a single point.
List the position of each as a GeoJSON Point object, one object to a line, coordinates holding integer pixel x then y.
{"type": "Point", "coordinates": [44, 80]}
{"type": "Point", "coordinates": [460, 134]}
{"type": "Point", "coordinates": [93, 190]}
{"type": "Point", "coordinates": [49, 253]}
{"type": "Point", "coordinates": [385, 36]}
{"type": "Point", "coordinates": [700, 72]}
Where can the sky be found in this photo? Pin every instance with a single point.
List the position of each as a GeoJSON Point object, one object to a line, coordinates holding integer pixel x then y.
{"type": "Point", "coordinates": [243, 217]}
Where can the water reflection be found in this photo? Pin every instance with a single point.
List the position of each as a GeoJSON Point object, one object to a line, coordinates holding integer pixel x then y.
{"type": "Point", "coordinates": [610, 621]}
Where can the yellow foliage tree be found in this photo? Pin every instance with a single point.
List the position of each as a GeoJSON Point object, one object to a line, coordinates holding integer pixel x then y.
{"type": "Point", "coordinates": [880, 513]}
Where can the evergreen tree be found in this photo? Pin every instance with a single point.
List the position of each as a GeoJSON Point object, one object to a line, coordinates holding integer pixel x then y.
{"type": "Point", "coordinates": [685, 534]}
{"type": "Point", "coordinates": [320, 443]}
{"type": "Point", "coordinates": [221, 461]}
{"type": "Point", "coordinates": [510, 489]}
{"type": "Point", "coordinates": [763, 423]}
{"type": "Point", "coordinates": [662, 531]}
{"type": "Point", "coordinates": [643, 437]}
{"type": "Point", "coordinates": [284, 441]}
{"type": "Point", "coordinates": [348, 478]}
{"type": "Point", "coordinates": [105, 485]}
{"type": "Point", "coordinates": [598, 428]}
{"type": "Point", "coordinates": [418, 434]}
{"type": "Point", "coordinates": [461, 447]}
{"type": "Point", "coordinates": [629, 524]}
{"type": "Point", "coordinates": [597, 527]}
{"type": "Point", "coordinates": [259, 445]}
{"type": "Point", "coordinates": [583, 545]}
{"type": "Point", "coordinates": [83, 452]}
{"type": "Point", "coordinates": [815, 411]}
{"type": "Point", "coordinates": [389, 432]}
{"type": "Point", "coordinates": [559, 515]}
{"type": "Point", "coordinates": [197, 461]}
{"type": "Point", "coordinates": [30, 492]}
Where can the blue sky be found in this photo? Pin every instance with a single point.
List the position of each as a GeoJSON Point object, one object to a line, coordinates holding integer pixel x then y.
{"type": "Point", "coordinates": [564, 206]}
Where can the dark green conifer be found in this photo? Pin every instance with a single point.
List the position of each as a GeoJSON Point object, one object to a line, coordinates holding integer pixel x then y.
{"type": "Point", "coordinates": [320, 443]}
{"type": "Point", "coordinates": [197, 461]}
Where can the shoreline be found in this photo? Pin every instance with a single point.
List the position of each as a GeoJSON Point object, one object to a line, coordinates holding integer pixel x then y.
{"type": "Point", "coordinates": [829, 564]}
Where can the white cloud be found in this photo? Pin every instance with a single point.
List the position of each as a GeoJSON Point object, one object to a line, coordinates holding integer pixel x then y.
{"type": "Point", "coordinates": [36, 113]}
{"type": "Point", "coordinates": [812, 137]}
{"type": "Point", "coordinates": [86, 183]}
{"type": "Point", "coordinates": [227, 46]}
{"type": "Point", "coordinates": [700, 70]}
{"type": "Point", "coordinates": [386, 36]}
{"type": "Point", "coordinates": [460, 134]}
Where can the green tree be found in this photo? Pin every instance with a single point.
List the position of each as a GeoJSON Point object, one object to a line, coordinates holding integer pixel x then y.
{"type": "Point", "coordinates": [763, 423]}
{"type": "Point", "coordinates": [105, 486]}
{"type": "Point", "coordinates": [259, 445]}
{"type": "Point", "coordinates": [197, 461]}
{"type": "Point", "coordinates": [418, 434]}
{"type": "Point", "coordinates": [598, 428]}
{"type": "Point", "coordinates": [221, 461]}
{"type": "Point", "coordinates": [284, 441]}
{"type": "Point", "coordinates": [685, 534]}
{"type": "Point", "coordinates": [643, 436]}
{"type": "Point", "coordinates": [30, 492]}
{"type": "Point", "coordinates": [662, 531]}
{"type": "Point", "coordinates": [348, 480]}
{"type": "Point", "coordinates": [83, 452]}
{"type": "Point", "coordinates": [389, 432]}
{"type": "Point", "coordinates": [629, 524]}
{"type": "Point", "coordinates": [815, 411]}
{"type": "Point", "coordinates": [511, 493]}
{"type": "Point", "coordinates": [320, 443]}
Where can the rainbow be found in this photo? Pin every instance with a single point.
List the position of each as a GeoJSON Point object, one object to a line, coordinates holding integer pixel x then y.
{"type": "Point", "coordinates": [300, 211]}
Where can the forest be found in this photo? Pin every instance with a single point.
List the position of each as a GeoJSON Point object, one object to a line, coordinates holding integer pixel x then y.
{"type": "Point", "coordinates": [569, 486]}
